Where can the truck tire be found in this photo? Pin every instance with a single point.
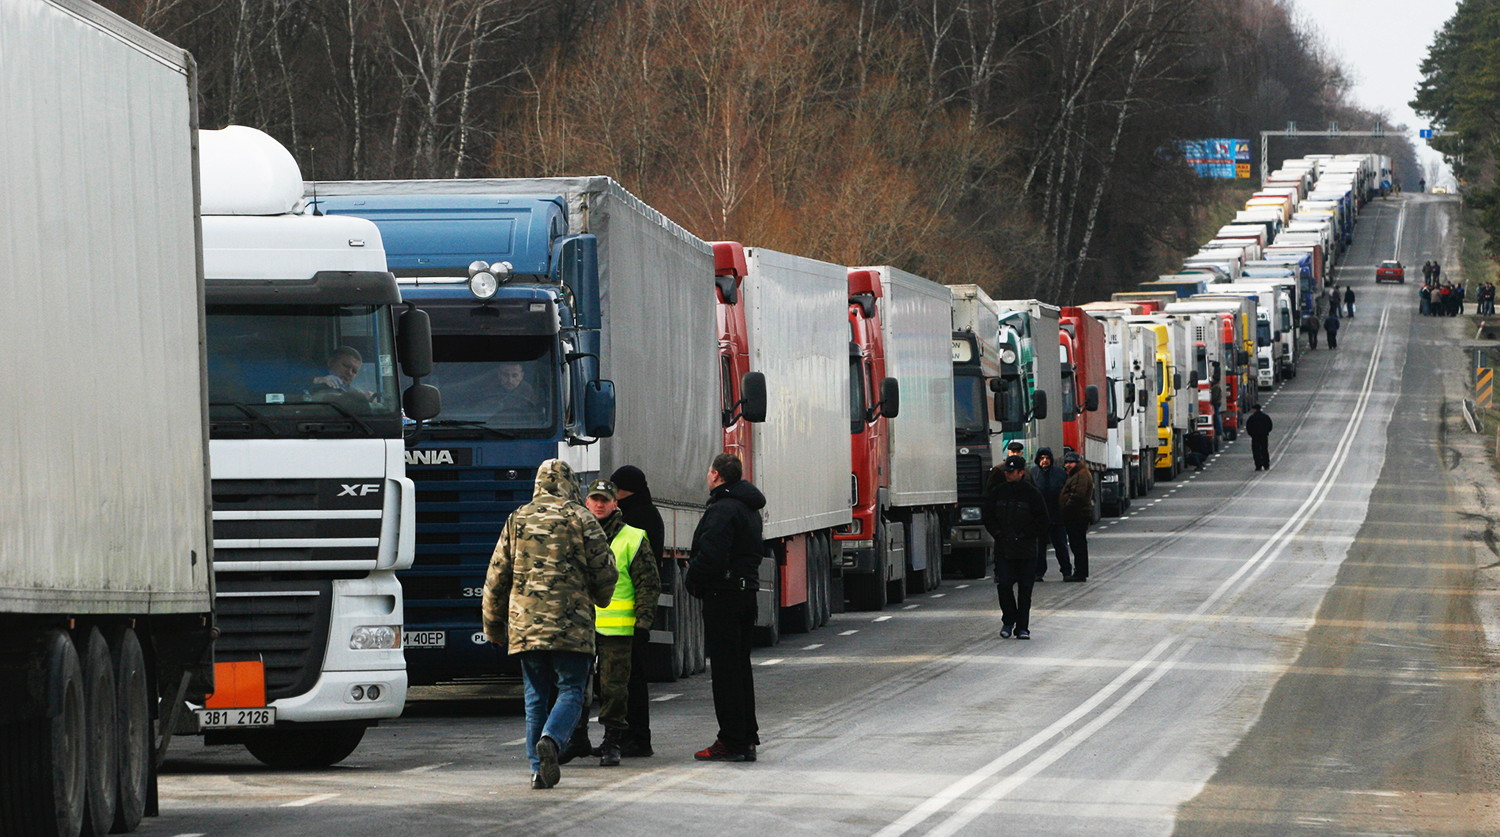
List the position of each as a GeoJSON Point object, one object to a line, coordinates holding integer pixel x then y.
{"type": "Point", "coordinates": [825, 579]}
{"type": "Point", "coordinates": [304, 749]}
{"type": "Point", "coordinates": [935, 531]}
{"type": "Point", "coordinates": [666, 663]}
{"type": "Point", "coordinates": [102, 744]}
{"type": "Point", "coordinates": [767, 636]}
{"type": "Point", "coordinates": [133, 719]}
{"type": "Point", "coordinates": [42, 761]}
{"type": "Point", "coordinates": [865, 591]}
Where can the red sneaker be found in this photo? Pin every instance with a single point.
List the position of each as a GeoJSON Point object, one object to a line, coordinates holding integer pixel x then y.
{"type": "Point", "coordinates": [717, 751]}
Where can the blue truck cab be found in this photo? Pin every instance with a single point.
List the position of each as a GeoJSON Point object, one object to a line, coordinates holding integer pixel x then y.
{"type": "Point", "coordinates": [513, 300]}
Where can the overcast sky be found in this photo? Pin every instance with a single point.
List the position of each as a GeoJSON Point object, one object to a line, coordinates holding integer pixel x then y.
{"type": "Point", "coordinates": [1382, 44]}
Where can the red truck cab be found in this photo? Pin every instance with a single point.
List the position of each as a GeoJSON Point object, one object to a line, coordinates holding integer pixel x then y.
{"type": "Point", "coordinates": [1085, 425]}
{"type": "Point", "coordinates": [730, 270]}
{"type": "Point", "coordinates": [1233, 375]}
{"type": "Point", "coordinates": [869, 578]}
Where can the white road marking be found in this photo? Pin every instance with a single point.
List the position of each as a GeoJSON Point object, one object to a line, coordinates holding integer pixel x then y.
{"type": "Point", "coordinates": [1247, 573]}
{"type": "Point", "coordinates": [911, 607]}
{"type": "Point", "coordinates": [665, 698]}
{"type": "Point", "coordinates": [881, 618]}
{"type": "Point", "coordinates": [518, 742]}
{"type": "Point", "coordinates": [815, 645]}
{"type": "Point", "coordinates": [770, 662]}
{"type": "Point", "coordinates": [428, 768]}
{"type": "Point", "coordinates": [311, 800]}
{"type": "Point", "coordinates": [847, 633]}
{"type": "Point", "coordinates": [961, 587]}
{"type": "Point", "coordinates": [191, 834]}
{"type": "Point", "coordinates": [937, 595]}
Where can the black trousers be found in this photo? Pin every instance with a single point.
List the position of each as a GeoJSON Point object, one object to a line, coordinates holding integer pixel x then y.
{"type": "Point", "coordinates": [1333, 339]}
{"type": "Point", "coordinates": [729, 628]}
{"type": "Point", "coordinates": [1262, 450]}
{"type": "Point", "coordinates": [1057, 534]}
{"type": "Point", "coordinates": [1078, 542]}
{"type": "Point", "coordinates": [1014, 577]}
{"type": "Point", "coordinates": [638, 705]}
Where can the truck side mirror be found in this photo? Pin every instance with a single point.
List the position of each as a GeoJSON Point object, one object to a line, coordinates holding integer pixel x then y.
{"type": "Point", "coordinates": [1244, 358]}
{"type": "Point", "coordinates": [1176, 380]}
{"type": "Point", "coordinates": [599, 409]}
{"type": "Point", "coordinates": [1215, 378]}
{"type": "Point", "coordinates": [1039, 404]}
{"type": "Point", "coordinates": [414, 343]}
{"type": "Point", "coordinates": [890, 398]}
{"type": "Point", "coordinates": [421, 402]}
{"type": "Point", "coordinates": [1193, 379]}
{"type": "Point", "coordinates": [1129, 393]}
{"type": "Point", "coordinates": [1090, 398]}
{"type": "Point", "coordinates": [753, 397]}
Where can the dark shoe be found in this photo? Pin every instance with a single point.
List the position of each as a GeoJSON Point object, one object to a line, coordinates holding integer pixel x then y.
{"type": "Point", "coordinates": [1023, 634]}
{"type": "Point", "coordinates": [1075, 578]}
{"type": "Point", "coordinates": [750, 753]}
{"type": "Point", "coordinates": [1006, 630]}
{"type": "Point", "coordinates": [717, 751]}
{"type": "Point", "coordinates": [546, 753]}
{"type": "Point", "coordinates": [537, 783]}
{"type": "Point", "coordinates": [636, 750]}
{"type": "Point", "coordinates": [578, 747]}
{"type": "Point", "coordinates": [609, 755]}
{"type": "Point", "coordinates": [1041, 578]}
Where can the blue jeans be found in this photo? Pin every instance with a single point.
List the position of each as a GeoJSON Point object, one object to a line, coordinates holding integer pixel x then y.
{"type": "Point", "coordinates": [547, 674]}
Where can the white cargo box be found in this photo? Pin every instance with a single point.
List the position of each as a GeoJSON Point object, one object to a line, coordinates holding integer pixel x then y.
{"type": "Point", "coordinates": [797, 313]}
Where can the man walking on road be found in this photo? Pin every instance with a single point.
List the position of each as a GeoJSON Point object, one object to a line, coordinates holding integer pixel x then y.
{"type": "Point", "coordinates": [631, 609]}
{"type": "Point", "coordinates": [1049, 479]}
{"type": "Point", "coordinates": [1331, 325]}
{"type": "Point", "coordinates": [1015, 515]}
{"type": "Point", "coordinates": [1349, 301]}
{"type": "Point", "coordinates": [1310, 328]}
{"type": "Point", "coordinates": [1077, 504]}
{"type": "Point", "coordinates": [550, 569]}
{"type": "Point", "coordinates": [637, 509]}
{"type": "Point", "coordinates": [724, 571]}
{"type": "Point", "coordinates": [1259, 428]}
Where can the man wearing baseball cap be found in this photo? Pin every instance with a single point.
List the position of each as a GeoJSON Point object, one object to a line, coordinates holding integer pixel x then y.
{"type": "Point", "coordinates": [1015, 515]}
{"type": "Point", "coordinates": [632, 607]}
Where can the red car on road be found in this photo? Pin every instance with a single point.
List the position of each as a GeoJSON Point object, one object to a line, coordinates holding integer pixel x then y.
{"type": "Point", "coordinates": [1390, 271]}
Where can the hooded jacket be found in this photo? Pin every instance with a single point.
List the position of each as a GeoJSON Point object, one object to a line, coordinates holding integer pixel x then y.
{"type": "Point", "coordinates": [727, 546]}
{"type": "Point", "coordinates": [1077, 498]}
{"type": "Point", "coordinates": [1049, 481]}
{"type": "Point", "coordinates": [1015, 514]}
{"type": "Point", "coordinates": [641, 513]}
{"type": "Point", "coordinates": [1258, 425]}
{"type": "Point", "coordinates": [644, 575]}
{"type": "Point", "coordinates": [550, 569]}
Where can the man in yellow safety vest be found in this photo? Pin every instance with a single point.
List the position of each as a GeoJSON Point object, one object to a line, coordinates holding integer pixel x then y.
{"type": "Point", "coordinates": [631, 608]}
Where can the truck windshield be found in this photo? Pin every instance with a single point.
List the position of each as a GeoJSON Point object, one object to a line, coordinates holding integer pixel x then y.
{"type": "Point", "coordinates": [970, 416]}
{"type": "Point", "coordinates": [302, 370]}
{"type": "Point", "coordinates": [500, 383]}
{"type": "Point", "coordinates": [1263, 333]}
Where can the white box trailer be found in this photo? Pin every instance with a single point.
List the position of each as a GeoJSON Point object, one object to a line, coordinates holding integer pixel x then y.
{"type": "Point", "coordinates": [105, 562]}
{"type": "Point", "coordinates": [798, 321]}
{"type": "Point", "coordinates": [916, 320]}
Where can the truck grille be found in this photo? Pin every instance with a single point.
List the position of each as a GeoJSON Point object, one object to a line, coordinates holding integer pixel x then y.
{"type": "Point", "coordinates": [460, 513]}
{"type": "Point", "coordinates": [970, 477]}
{"type": "Point", "coordinates": [282, 623]}
{"type": "Point", "coordinates": [298, 521]}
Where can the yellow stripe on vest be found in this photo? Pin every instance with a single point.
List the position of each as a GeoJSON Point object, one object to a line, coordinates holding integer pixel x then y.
{"type": "Point", "coordinates": [619, 618]}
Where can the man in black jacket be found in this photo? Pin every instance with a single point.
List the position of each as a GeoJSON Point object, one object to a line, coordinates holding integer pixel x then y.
{"type": "Point", "coordinates": [1015, 515]}
{"type": "Point", "coordinates": [1259, 428]}
{"type": "Point", "coordinates": [640, 512]}
{"type": "Point", "coordinates": [1049, 479]}
{"type": "Point", "coordinates": [724, 571]}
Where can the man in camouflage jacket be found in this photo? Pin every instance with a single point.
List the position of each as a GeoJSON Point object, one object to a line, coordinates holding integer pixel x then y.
{"type": "Point", "coordinates": [551, 567]}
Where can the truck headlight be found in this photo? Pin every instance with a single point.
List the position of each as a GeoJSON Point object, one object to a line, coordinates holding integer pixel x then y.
{"type": "Point", "coordinates": [375, 637]}
{"type": "Point", "coordinates": [1111, 477]}
{"type": "Point", "coordinates": [969, 514]}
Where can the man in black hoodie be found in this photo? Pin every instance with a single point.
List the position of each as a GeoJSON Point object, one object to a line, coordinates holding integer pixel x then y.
{"type": "Point", "coordinates": [724, 571]}
{"type": "Point", "coordinates": [1049, 479]}
{"type": "Point", "coordinates": [1015, 514]}
{"type": "Point", "coordinates": [640, 512]}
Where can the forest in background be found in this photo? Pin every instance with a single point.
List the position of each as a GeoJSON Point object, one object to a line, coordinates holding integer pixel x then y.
{"type": "Point", "coordinates": [1028, 146]}
{"type": "Point", "coordinates": [1460, 93]}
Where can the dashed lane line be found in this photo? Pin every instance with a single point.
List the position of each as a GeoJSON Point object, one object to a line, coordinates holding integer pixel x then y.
{"type": "Point", "coordinates": [665, 698]}
{"type": "Point", "coordinates": [881, 619]}
{"type": "Point", "coordinates": [309, 800]}
{"type": "Point", "coordinates": [814, 646]}
{"type": "Point", "coordinates": [848, 633]}
{"type": "Point", "coordinates": [428, 768]}
{"type": "Point", "coordinates": [771, 662]}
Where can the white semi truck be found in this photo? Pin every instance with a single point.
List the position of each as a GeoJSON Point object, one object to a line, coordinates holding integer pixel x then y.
{"type": "Point", "coordinates": [106, 569]}
{"type": "Point", "coordinates": [312, 511]}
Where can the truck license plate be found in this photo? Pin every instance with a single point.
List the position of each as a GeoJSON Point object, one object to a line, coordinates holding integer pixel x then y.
{"type": "Point", "coordinates": [262, 716]}
{"type": "Point", "coordinates": [424, 639]}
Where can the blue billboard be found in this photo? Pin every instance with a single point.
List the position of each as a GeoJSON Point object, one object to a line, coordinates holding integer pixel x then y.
{"type": "Point", "coordinates": [1227, 159]}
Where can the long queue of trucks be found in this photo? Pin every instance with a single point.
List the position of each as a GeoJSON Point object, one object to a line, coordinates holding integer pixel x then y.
{"type": "Point", "coordinates": [324, 399]}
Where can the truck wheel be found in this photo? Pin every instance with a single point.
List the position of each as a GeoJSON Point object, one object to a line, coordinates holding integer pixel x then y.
{"type": "Point", "coordinates": [865, 591]}
{"type": "Point", "coordinates": [767, 636]}
{"type": "Point", "coordinates": [304, 749]}
{"type": "Point", "coordinates": [825, 579]}
{"type": "Point", "coordinates": [133, 702]}
{"type": "Point", "coordinates": [102, 743]}
{"type": "Point", "coordinates": [935, 549]}
{"type": "Point", "coordinates": [42, 761]}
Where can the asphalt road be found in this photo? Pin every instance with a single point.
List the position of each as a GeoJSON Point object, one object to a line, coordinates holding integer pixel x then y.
{"type": "Point", "coordinates": [1303, 650]}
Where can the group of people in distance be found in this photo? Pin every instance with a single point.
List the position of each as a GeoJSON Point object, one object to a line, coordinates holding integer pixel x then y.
{"type": "Point", "coordinates": [575, 576]}
{"type": "Point", "coordinates": [1327, 312]}
{"type": "Point", "coordinates": [1441, 298]}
